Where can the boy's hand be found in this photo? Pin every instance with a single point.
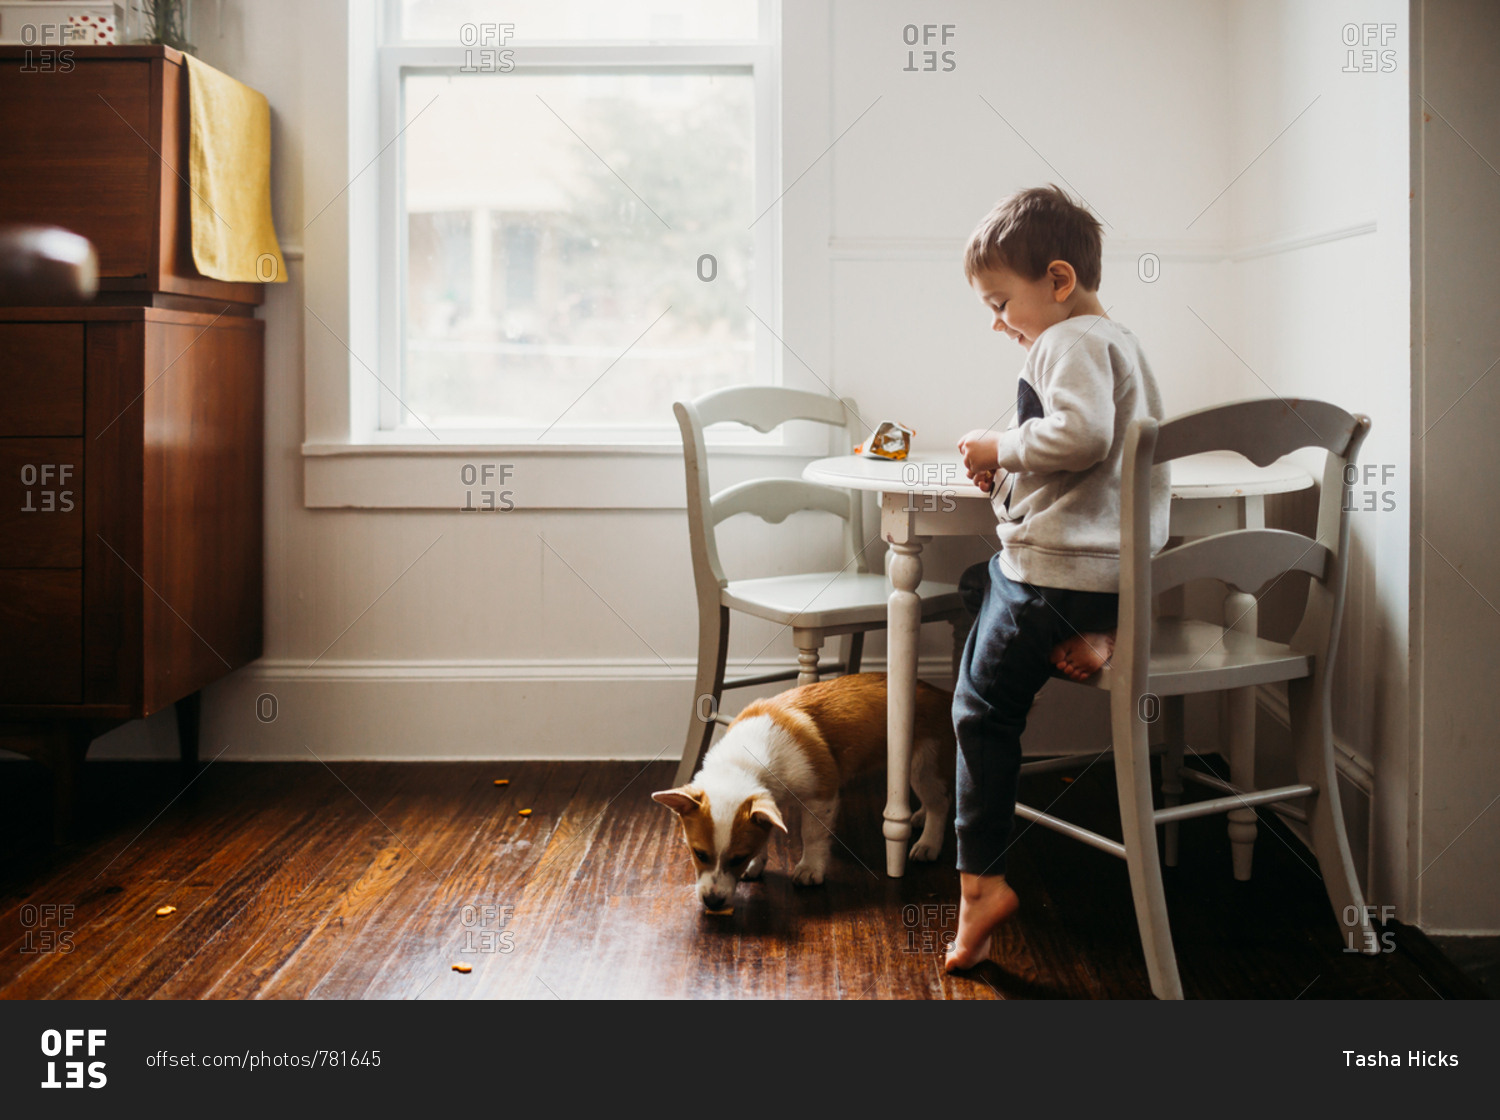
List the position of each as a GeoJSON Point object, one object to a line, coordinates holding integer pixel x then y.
{"type": "Point", "coordinates": [985, 480]}
{"type": "Point", "coordinates": [981, 452]}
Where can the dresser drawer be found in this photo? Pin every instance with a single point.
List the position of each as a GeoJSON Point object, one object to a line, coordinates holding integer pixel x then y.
{"type": "Point", "coordinates": [41, 379]}
{"type": "Point", "coordinates": [41, 657]}
{"type": "Point", "coordinates": [41, 503]}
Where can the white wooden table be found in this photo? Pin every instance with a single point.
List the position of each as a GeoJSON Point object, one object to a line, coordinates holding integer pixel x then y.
{"type": "Point", "coordinates": [928, 495]}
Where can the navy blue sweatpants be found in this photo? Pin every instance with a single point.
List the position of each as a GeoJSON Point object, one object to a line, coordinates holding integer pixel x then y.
{"type": "Point", "coordinates": [1005, 663]}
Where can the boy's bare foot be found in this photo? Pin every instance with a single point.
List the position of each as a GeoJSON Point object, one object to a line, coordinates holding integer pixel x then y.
{"type": "Point", "coordinates": [987, 901]}
{"type": "Point", "coordinates": [1081, 656]}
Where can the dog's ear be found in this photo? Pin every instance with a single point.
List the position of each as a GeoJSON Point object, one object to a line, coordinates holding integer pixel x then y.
{"type": "Point", "coordinates": [763, 812]}
{"type": "Point", "coordinates": [681, 801]}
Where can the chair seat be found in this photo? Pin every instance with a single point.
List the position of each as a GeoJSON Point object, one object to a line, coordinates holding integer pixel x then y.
{"type": "Point", "coordinates": [1188, 655]}
{"type": "Point", "coordinates": [819, 600]}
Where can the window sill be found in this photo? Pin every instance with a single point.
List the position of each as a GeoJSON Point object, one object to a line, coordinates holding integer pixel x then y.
{"type": "Point", "coordinates": [498, 477]}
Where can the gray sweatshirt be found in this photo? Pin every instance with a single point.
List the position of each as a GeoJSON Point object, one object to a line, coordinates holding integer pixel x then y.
{"type": "Point", "coordinates": [1057, 494]}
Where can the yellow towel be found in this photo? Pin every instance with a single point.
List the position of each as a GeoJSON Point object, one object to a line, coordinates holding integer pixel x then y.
{"type": "Point", "coordinates": [230, 172]}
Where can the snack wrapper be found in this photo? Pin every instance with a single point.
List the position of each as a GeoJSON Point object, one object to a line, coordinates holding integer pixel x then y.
{"type": "Point", "coordinates": [889, 440]}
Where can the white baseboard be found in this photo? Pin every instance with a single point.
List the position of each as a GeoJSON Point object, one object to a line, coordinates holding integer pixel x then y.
{"type": "Point", "coordinates": [1352, 766]}
{"type": "Point", "coordinates": [637, 669]}
{"type": "Point", "coordinates": [283, 710]}
{"type": "Point", "coordinates": [431, 711]}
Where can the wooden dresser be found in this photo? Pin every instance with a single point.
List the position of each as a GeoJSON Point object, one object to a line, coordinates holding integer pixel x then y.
{"type": "Point", "coordinates": [131, 429]}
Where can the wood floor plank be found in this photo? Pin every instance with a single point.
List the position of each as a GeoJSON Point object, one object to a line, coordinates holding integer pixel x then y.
{"type": "Point", "coordinates": [247, 906]}
{"type": "Point", "coordinates": [151, 947]}
{"type": "Point", "coordinates": [297, 913]}
{"type": "Point", "coordinates": [407, 851]}
{"type": "Point", "coordinates": [471, 917]}
{"type": "Point", "coordinates": [546, 930]}
{"type": "Point", "coordinates": [294, 881]}
{"type": "Point", "coordinates": [117, 882]}
{"type": "Point", "coordinates": [397, 937]}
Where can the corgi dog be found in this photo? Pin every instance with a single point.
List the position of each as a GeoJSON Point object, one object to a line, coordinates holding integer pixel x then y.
{"type": "Point", "coordinates": [794, 751]}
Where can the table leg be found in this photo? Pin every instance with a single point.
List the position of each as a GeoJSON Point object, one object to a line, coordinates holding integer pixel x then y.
{"type": "Point", "coordinates": [904, 621]}
{"type": "Point", "coordinates": [1241, 614]}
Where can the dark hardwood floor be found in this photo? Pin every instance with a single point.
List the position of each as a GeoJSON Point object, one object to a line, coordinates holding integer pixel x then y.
{"type": "Point", "coordinates": [371, 880]}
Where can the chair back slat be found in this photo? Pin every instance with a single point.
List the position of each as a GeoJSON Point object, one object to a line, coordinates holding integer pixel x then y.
{"type": "Point", "coordinates": [1260, 430]}
{"type": "Point", "coordinates": [1246, 559]}
{"type": "Point", "coordinates": [774, 499]}
{"type": "Point", "coordinates": [763, 408]}
{"type": "Point", "coordinates": [766, 408]}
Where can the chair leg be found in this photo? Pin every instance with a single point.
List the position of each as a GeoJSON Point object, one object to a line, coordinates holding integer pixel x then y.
{"type": "Point", "coordinates": [852, 651]}
{"type": "Point", "coordinates": [808, 643]}
{"type": "Point", "coordinates": [1138, 824]}
{"type": "Point", "coordinates": [1312, 738]}
{"type": "Point", "coordinates": [1242, 822]}
{"type": "Point", "coordinates": [713, 652]}
{"type": "Point", "coordinates": [1174, 738]}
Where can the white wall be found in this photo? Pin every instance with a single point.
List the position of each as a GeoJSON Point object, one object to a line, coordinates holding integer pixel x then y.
{"type": "Point", "coordinates": [1455, 835]}
{"type": "Point", "coordinates": [1323, 312]}
{"type": "Point", "coordinates": [489, 639]}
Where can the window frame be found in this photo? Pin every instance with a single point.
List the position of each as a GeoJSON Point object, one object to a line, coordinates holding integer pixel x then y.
{"type": "Point", "coordinates": [375, 416]}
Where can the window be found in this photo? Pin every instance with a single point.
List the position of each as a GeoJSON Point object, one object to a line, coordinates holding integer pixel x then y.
{"type": "Point", "coordinates": [578, 216]}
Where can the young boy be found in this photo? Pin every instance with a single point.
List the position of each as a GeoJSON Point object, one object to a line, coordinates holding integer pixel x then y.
{"type": "Point", "coordinates": [1049, 597]}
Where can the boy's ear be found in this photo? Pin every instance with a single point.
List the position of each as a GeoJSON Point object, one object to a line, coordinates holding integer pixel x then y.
{"type": "Point", "coordinates": [1064, 280]}
{"type": "Point", "coordinates": [682, 801]}
{"type": "Point", "coordinates": [763, 812]}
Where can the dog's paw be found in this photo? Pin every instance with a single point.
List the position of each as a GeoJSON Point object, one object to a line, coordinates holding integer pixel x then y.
{"type": "Point", "coordinates": [807, 874]}
{"type": "Point", "coordinates": [754, 868]}
{"type": "Point", "coordinates": [925, 851]}
{"type": "Point", "coordinates": [918, 818]}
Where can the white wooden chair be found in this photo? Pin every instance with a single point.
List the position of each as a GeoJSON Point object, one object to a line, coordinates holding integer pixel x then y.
{"type": "Point", "coordinates": [814, 605]}
{"type": "Point", "coordinates": [1156, 664]}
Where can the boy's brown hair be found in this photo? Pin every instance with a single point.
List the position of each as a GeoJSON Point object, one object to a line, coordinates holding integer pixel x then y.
{"type": "Point", "coordinates": [1030, 229]}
